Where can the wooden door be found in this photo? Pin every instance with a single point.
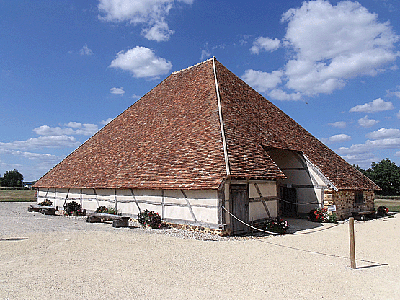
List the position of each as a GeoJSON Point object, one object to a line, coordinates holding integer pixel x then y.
{"type": "Point", "coordinates": [288, 202]}
{"type": "Point", "coordinates": [239, 196]}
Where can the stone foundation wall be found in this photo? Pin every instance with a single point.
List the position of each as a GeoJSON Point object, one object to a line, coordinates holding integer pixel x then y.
{"type": "Point", "coordinates": [344, 200]}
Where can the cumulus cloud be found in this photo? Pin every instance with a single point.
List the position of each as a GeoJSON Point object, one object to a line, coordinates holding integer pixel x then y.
{"type": "Point", "coordinates": [375, 106]}
{"type": "Point", "coordinates": [158, 32]}
{"type": "Point", "coordinates": [30, 155]}
{"type": "Point", "coordinates": [384, 133]}
{"type": "Point", "coordinates": [339, 138]}
{"type": "Point", "coordinates": [59, 141]}
{"type": "Point", "coordinates": [151, 14]}
{"type": "Point", "coordinates": [262, 81]}
{"type": "Point", "coordinates": [105, 122]}
{"type": "Point", "coordinates": [141, 62]}
{"type": "Point", "coordinates": [371, 145]}
{"type": "Point", "coordinates": [363, 160]}
{"type": "Point", "coordinates": [117, 91]}
{"type": "Point", "coordinates": [85, 51]}
{"type": "Point", "coordinates": [334, 43]}
{"type": "Point", "coordinates": [72, 128]}
{"type": "Point", "coordinates": [265, 43]}
{"type": "Point", "coordinates": [280, 94]}
{"type": "Point", "coordinates": [340, 124]}
{"type": "Point", "coordinates": [366, 123]}
{"type": "Point", "coordinates": [53, 131]}
{"type": "Point", "coordinates": [330, 44]}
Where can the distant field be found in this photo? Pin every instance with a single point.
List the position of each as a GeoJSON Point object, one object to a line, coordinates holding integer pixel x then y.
{"type": "Point", "coordinates": [391, 204]}
{"type": "Point", "coordinates": [17, 195]}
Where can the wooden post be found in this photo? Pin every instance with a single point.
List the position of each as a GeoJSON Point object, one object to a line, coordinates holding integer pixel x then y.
{"type": "Point", "coordinates": [352, 244]}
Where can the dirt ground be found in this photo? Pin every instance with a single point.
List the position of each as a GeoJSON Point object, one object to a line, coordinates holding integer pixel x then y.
{"type": "Point", "coordinates": [47, 257]}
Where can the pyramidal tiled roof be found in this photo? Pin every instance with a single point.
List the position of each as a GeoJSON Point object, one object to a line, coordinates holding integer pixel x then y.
{"type": "Point", "coordinates": [172, 138]}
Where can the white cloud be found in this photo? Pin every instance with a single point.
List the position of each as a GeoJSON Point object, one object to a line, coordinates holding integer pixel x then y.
{"type": "Point", "coordinates": [366, 123]}
{"type": "Point", "coordinates": [265, 43]}
{"type": "Point", "coordinates": [279, 94]}
{"type": "Point", "coordinates": [53, 131]}
{"type": "Point", "coordinates": [141, 62]}
{"type": "Point", "coordinates": [158, 32]}
{"type": "Point", "coordinates": [384, 133]}
{"type": "Point", "coordinates": [205, 54]}
{"type": "Point", "coordinates": [334, 43]}
{"type": "Point", "coordinates": [60, 141]}
{"type": "Point", "coordinates": [340, 124]}
{"type": "Point", "coordinates": [74, 125]}
{"type": "Point", "coordinates": [262, 81]}
{"type": "Point", "coordinates": [117, 91]}
{"type": "Point", "coordinates": [73, 128]}
{"type": "Point", "coordinates": [150, 13]}
{"type": "Point", "coordinates": [397, 153]}
{"type": "Point", "coordinates": [375, 106]}
{"type": "Point", "coordinates": [87, 129]}
{"type": "Point", "coordinates": [398, 114]}
{"type": "Point", "coordinates": [371, 145]}
{"type": "Point", "coordinates": [105, 122]}
{"type": "Point", "coordinates": [363, 160]}
{"type": "Point", "coordinates": [30, 155]}
{"type": "Point", "coordinates": [339, 138]}
{"type": "Point", "coordinates": [85, 51]}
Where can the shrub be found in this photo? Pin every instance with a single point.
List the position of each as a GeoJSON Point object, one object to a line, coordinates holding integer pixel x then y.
{"type": "Point", "coordinates": [46, 202]}
{"type": "Point", "coordinates": [279, 226]}
{"type": "Point", "coordinates": [107, 210]}
{"type": "Point", "coordinates": [382, 211]}
{"type": "Point", "coordinates": [149, 218]}
{"type": "Point", "coordinates": [73, 209]}
{"type": "Point", "coordinates": [321, 215]}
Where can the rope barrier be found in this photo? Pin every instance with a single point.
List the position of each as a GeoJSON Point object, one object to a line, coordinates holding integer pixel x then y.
{"type": "Point", "coordinates": [248, 225]}
{"type": "Point", "coordinates": [296, 203]}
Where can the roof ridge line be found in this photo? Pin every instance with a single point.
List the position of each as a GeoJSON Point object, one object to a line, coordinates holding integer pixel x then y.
{"type": "Point", "coordinates": [221, 120]}
{"type": "Point", "coordinates": [188, 68]}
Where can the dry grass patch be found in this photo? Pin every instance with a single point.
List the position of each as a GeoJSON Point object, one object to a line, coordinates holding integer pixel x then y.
{"type": "Point", "coordinates": [17, 195]}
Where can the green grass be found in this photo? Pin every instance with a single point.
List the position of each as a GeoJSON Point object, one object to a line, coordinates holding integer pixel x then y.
{"type": "Point", "coordinates": [17, 195]}
{"type": "Point", "coordinates": [391, 204]}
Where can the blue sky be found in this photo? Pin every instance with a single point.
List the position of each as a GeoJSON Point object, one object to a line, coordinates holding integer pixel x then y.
{"type": "Point", "coordinates": [68, 67]}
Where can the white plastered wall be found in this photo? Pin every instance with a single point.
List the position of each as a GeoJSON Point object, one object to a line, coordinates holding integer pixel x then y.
{"type": "Point", "coordinates": [196, 207]}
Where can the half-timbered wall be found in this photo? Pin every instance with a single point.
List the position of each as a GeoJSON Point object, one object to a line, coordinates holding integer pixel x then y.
{"type": "Point", "coordinates": [195, 207]}
{"type": "Point", "coordinates": [263, 200]}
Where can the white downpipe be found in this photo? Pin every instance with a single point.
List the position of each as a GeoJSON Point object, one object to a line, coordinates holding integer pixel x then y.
{"type": "Point", "coordinates": [221, 121]}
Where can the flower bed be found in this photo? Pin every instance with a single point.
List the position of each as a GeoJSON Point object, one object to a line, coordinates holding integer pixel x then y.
{"type": "Point", "coordinates": [321, 215]}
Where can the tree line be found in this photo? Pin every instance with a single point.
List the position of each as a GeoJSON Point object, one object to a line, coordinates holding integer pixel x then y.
{"type": "Point", "coordinates": [12, 179]}
{"type": "Point", "coordinates": [386, 174]}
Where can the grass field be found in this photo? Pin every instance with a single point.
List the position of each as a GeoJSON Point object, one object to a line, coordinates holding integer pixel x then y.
{"type": "Point", "coordinates": [17, 195]}
{"type": "Point", "coordinates": [391, 204]}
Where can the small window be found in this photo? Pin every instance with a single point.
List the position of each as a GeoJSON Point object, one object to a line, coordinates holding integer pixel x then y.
{"type": "Point", "coordinates": [359, 197]}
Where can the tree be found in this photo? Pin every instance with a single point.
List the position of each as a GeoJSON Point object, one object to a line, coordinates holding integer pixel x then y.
{"type": "Point", "coordinates": [387, 175]}
{"type": "Point", "coordinates": [12, 179]}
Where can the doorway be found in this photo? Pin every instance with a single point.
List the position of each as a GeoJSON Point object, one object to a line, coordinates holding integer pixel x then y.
{"type": "Point", "coordinates": [239, 195]}
{"type": "Point", "coordinates": [288, 201]}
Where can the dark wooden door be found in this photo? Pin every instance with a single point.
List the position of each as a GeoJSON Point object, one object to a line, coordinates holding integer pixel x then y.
{"type": "Point", "coordinates": [288, 202]}
{"type": "Point", "coordinates": [239, 196]}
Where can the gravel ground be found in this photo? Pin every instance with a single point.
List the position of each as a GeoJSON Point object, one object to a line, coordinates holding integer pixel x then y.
{"type": "Point", "coordinates": [55, 257]}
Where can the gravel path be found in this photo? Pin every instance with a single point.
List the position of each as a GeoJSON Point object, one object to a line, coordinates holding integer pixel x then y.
{"type": "Point", "coordinates": [54, 257]}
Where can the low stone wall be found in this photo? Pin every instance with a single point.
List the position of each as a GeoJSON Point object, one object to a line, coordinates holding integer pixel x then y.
{"type": "Point", "coordinates": [345, 203]}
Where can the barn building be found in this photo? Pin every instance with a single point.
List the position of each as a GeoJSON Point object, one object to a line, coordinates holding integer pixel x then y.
{"type": "Point", "coordinates": [203, 145]}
